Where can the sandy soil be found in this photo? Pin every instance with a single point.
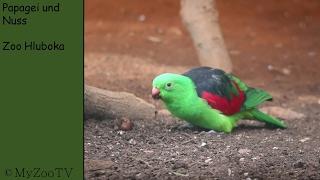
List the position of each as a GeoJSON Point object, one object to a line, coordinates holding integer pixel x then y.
{"type": "Point", "coordinates": [274, 45]}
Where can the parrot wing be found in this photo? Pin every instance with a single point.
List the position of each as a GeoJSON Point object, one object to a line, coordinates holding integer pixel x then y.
{"type": "Point", "coordinates": [219, 90]}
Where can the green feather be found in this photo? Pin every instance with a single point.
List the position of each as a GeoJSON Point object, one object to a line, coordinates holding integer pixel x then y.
{"type": "Point", "coordinates": [242, 85]}
{"type": "Point", "coordinates": [254, 97]}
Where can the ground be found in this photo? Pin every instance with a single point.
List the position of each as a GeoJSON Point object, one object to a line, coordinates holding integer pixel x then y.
{"type": "Point", "coordinates": [274, 45]}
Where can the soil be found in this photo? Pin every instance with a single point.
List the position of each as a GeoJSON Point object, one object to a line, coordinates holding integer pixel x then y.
{"type": "Point", "coordinates": [274, 45]}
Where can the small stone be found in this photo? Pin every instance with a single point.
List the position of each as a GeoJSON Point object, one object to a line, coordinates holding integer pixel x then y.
{"type": "Point", "coordinates": [126, 124]}
{"type": "Point", "coordinates": [275, 148]}
{"type": "Point", "coordinates": [207, 160]}
{"type": "Point", "coordinates": [304, 139]}
{"type": "Point", "coordinates": [139, 175]}
{"type": "Point", "coordinates": [229, 172]}
{"type": "Point", "coordinates": [132, 141]}
{"type": "Point", "coordinates": [245, 174]}
{"type": "Point", "coordinates": [203, 144]}
{"type": "Point", "coordinates": [120, 132]}
{"type": "Point", "coordinates": [241, 159]}
{"type": "Point", "coordinates": [147, 151]}
{"type": "Point", "coordinates": [244, 151]}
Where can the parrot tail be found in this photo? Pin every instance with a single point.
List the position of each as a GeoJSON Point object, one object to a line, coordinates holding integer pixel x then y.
{"type": "Point", "coordinates": [260, 116]}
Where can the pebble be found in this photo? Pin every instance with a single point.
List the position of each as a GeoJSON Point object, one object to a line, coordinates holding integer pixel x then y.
{"type": "Point", "coordinates": [120, 132]}
{"type": "Point", "coordinates": [244, 151]}
{"type": "Point", "coordinates": [229, 172]}
{"type": "Point", "coordinates": [132, 141]}
{"type": "Point", "coordinates": [304, 139]}
{"type": "Point", "coordinates": [126, 124]}
{"type": "Point", "coordinates": [203, 144]}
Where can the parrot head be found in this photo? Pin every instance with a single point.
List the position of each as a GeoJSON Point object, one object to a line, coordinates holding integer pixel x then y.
{"type": "Point", "coordinates": [169, 87]}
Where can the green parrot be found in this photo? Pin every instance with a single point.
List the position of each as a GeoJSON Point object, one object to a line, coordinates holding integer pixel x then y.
{"type": "Point", "coordinates": [211, 99]}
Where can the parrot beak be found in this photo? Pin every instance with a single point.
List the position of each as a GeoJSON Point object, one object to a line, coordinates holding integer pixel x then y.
{"type": "Point", "coordinates": [155, 93]}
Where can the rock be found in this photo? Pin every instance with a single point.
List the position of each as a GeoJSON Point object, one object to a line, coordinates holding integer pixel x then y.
{"type": "Point", "coordinates": [208, 160]}
{"type": "Point", "coordinates": [245, 174]}
{"type": "Point", "coordinates": [282, 112]}
{"type": "Point", "coordinates": [244, 151]}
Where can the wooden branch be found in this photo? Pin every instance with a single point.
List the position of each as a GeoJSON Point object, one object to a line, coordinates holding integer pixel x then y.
{"type": "Point", "coordinates": [201, 19]}
{"type": "Point", "coordinates": [103, 104]}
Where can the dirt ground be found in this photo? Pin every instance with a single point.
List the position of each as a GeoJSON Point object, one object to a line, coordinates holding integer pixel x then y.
{"type": "Point", "coordinates": [274, 45]}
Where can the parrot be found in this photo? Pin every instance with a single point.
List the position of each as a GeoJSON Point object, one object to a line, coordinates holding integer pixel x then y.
{"type": "Point", "coordinates": [211, 99]}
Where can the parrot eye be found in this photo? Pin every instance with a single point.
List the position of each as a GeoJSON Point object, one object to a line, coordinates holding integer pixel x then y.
{"type": "Point", "coordinates": [169, 86]}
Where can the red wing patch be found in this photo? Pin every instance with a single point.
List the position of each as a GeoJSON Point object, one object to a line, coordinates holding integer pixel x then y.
{"type": "Point", "coordinates": [227, 107]}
